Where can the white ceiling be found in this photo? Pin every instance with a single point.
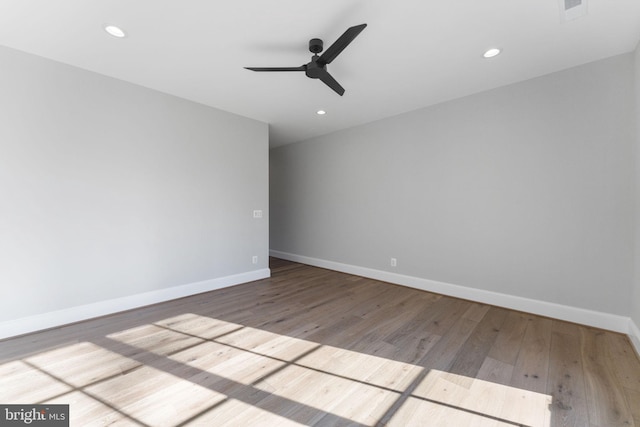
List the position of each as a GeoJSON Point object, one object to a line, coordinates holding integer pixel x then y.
{"type": "Point", "coordinates": [414, 53]}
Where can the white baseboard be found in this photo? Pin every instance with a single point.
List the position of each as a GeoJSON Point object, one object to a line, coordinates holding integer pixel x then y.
{"type": "Point", "coordinates": [611, 322]}
{"type": "Point", "coordinates": [53, 319]}
{"type": "Point", "coordinates": [634, 335]}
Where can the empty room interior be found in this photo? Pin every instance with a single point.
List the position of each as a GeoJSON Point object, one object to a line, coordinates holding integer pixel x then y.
{"type": "Point", "coordinates": [343, 213]}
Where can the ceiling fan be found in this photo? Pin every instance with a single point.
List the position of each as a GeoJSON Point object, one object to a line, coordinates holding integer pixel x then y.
{"type": "Point", "coordinates": [317, 68]}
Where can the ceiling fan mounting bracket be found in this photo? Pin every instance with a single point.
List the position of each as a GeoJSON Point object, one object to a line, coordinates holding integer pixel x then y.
{"type": "Point", "coordinates": [315, 46]}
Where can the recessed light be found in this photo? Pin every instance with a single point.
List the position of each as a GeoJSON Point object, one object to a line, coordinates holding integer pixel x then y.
{"type": "Point", "coordinates": [115, 31]}
{"type": "Point", "coordinates": [321, 112]}
{"type": "Point", "coordinates": [492, 52]}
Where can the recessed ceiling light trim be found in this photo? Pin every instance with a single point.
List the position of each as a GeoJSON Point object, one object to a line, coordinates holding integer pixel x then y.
{"type": "Point", "coordinates": [115, 31]}
{"type": "Point", "coordinates": [490, 53]}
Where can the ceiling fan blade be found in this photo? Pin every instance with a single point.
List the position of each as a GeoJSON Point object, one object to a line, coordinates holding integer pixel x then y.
{"type": "Point", "coordinates": [339, 45]}
{"type": "Point", "coordinates": [300, 68]}
{"type": "Point", "coordinates": [331, 82]}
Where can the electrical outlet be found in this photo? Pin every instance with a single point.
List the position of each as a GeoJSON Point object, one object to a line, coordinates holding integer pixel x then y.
{"type": "Point", "coordinates": [254, 259]}
{"type": "Point", "coordinates": [394, 262]}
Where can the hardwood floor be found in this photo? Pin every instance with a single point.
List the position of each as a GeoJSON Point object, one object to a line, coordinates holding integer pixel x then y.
{"type": "Point", "coordinates": [319, 348]}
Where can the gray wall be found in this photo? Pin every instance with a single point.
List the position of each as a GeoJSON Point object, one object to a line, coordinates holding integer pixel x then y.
{"type": "Point", "coordinates": [525, 190]}
{"type": "Point", "coordinates": [635, 315]}
{"type": "Point", "coordinates": [108, 189]}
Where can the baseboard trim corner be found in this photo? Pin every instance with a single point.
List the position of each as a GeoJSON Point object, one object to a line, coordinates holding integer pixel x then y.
{"type": "Point", "coordinates": [25, 325]}
{"type": "Point", "coordinates": [634, 336]}
{"type": "Point", "coordinates": [611, 322]}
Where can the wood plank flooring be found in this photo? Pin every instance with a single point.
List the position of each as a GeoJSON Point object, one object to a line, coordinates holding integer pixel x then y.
{"type": "Point", "coordinates": [313, 347]}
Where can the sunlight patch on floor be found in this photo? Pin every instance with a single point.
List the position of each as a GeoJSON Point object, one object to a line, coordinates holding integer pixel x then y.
{"type": "Point", "coordinates": [355, 401]}
{"type": "Point", "coordinates": [21, 383]}
{"type": "Point", "coordinates": [83, 363]}
{"type": "Point", "coordinates": [87, 411]}
{"type": "Point", "coordinates": [447, 396]}
{"type": "Point", "coordinates": [155, 397]}
{"type": "Point", "coordinates": [202, 371]}
{"type": "Point", "coordinates": [234, 413]}
{"type": "Point", "coordinates": [156, 339]}
{"type": "Point", "coordinates": [361, 367]}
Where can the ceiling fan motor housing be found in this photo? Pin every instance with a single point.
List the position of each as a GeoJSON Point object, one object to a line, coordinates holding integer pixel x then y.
{"type": "Point", "coordinates": [313, 70]}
